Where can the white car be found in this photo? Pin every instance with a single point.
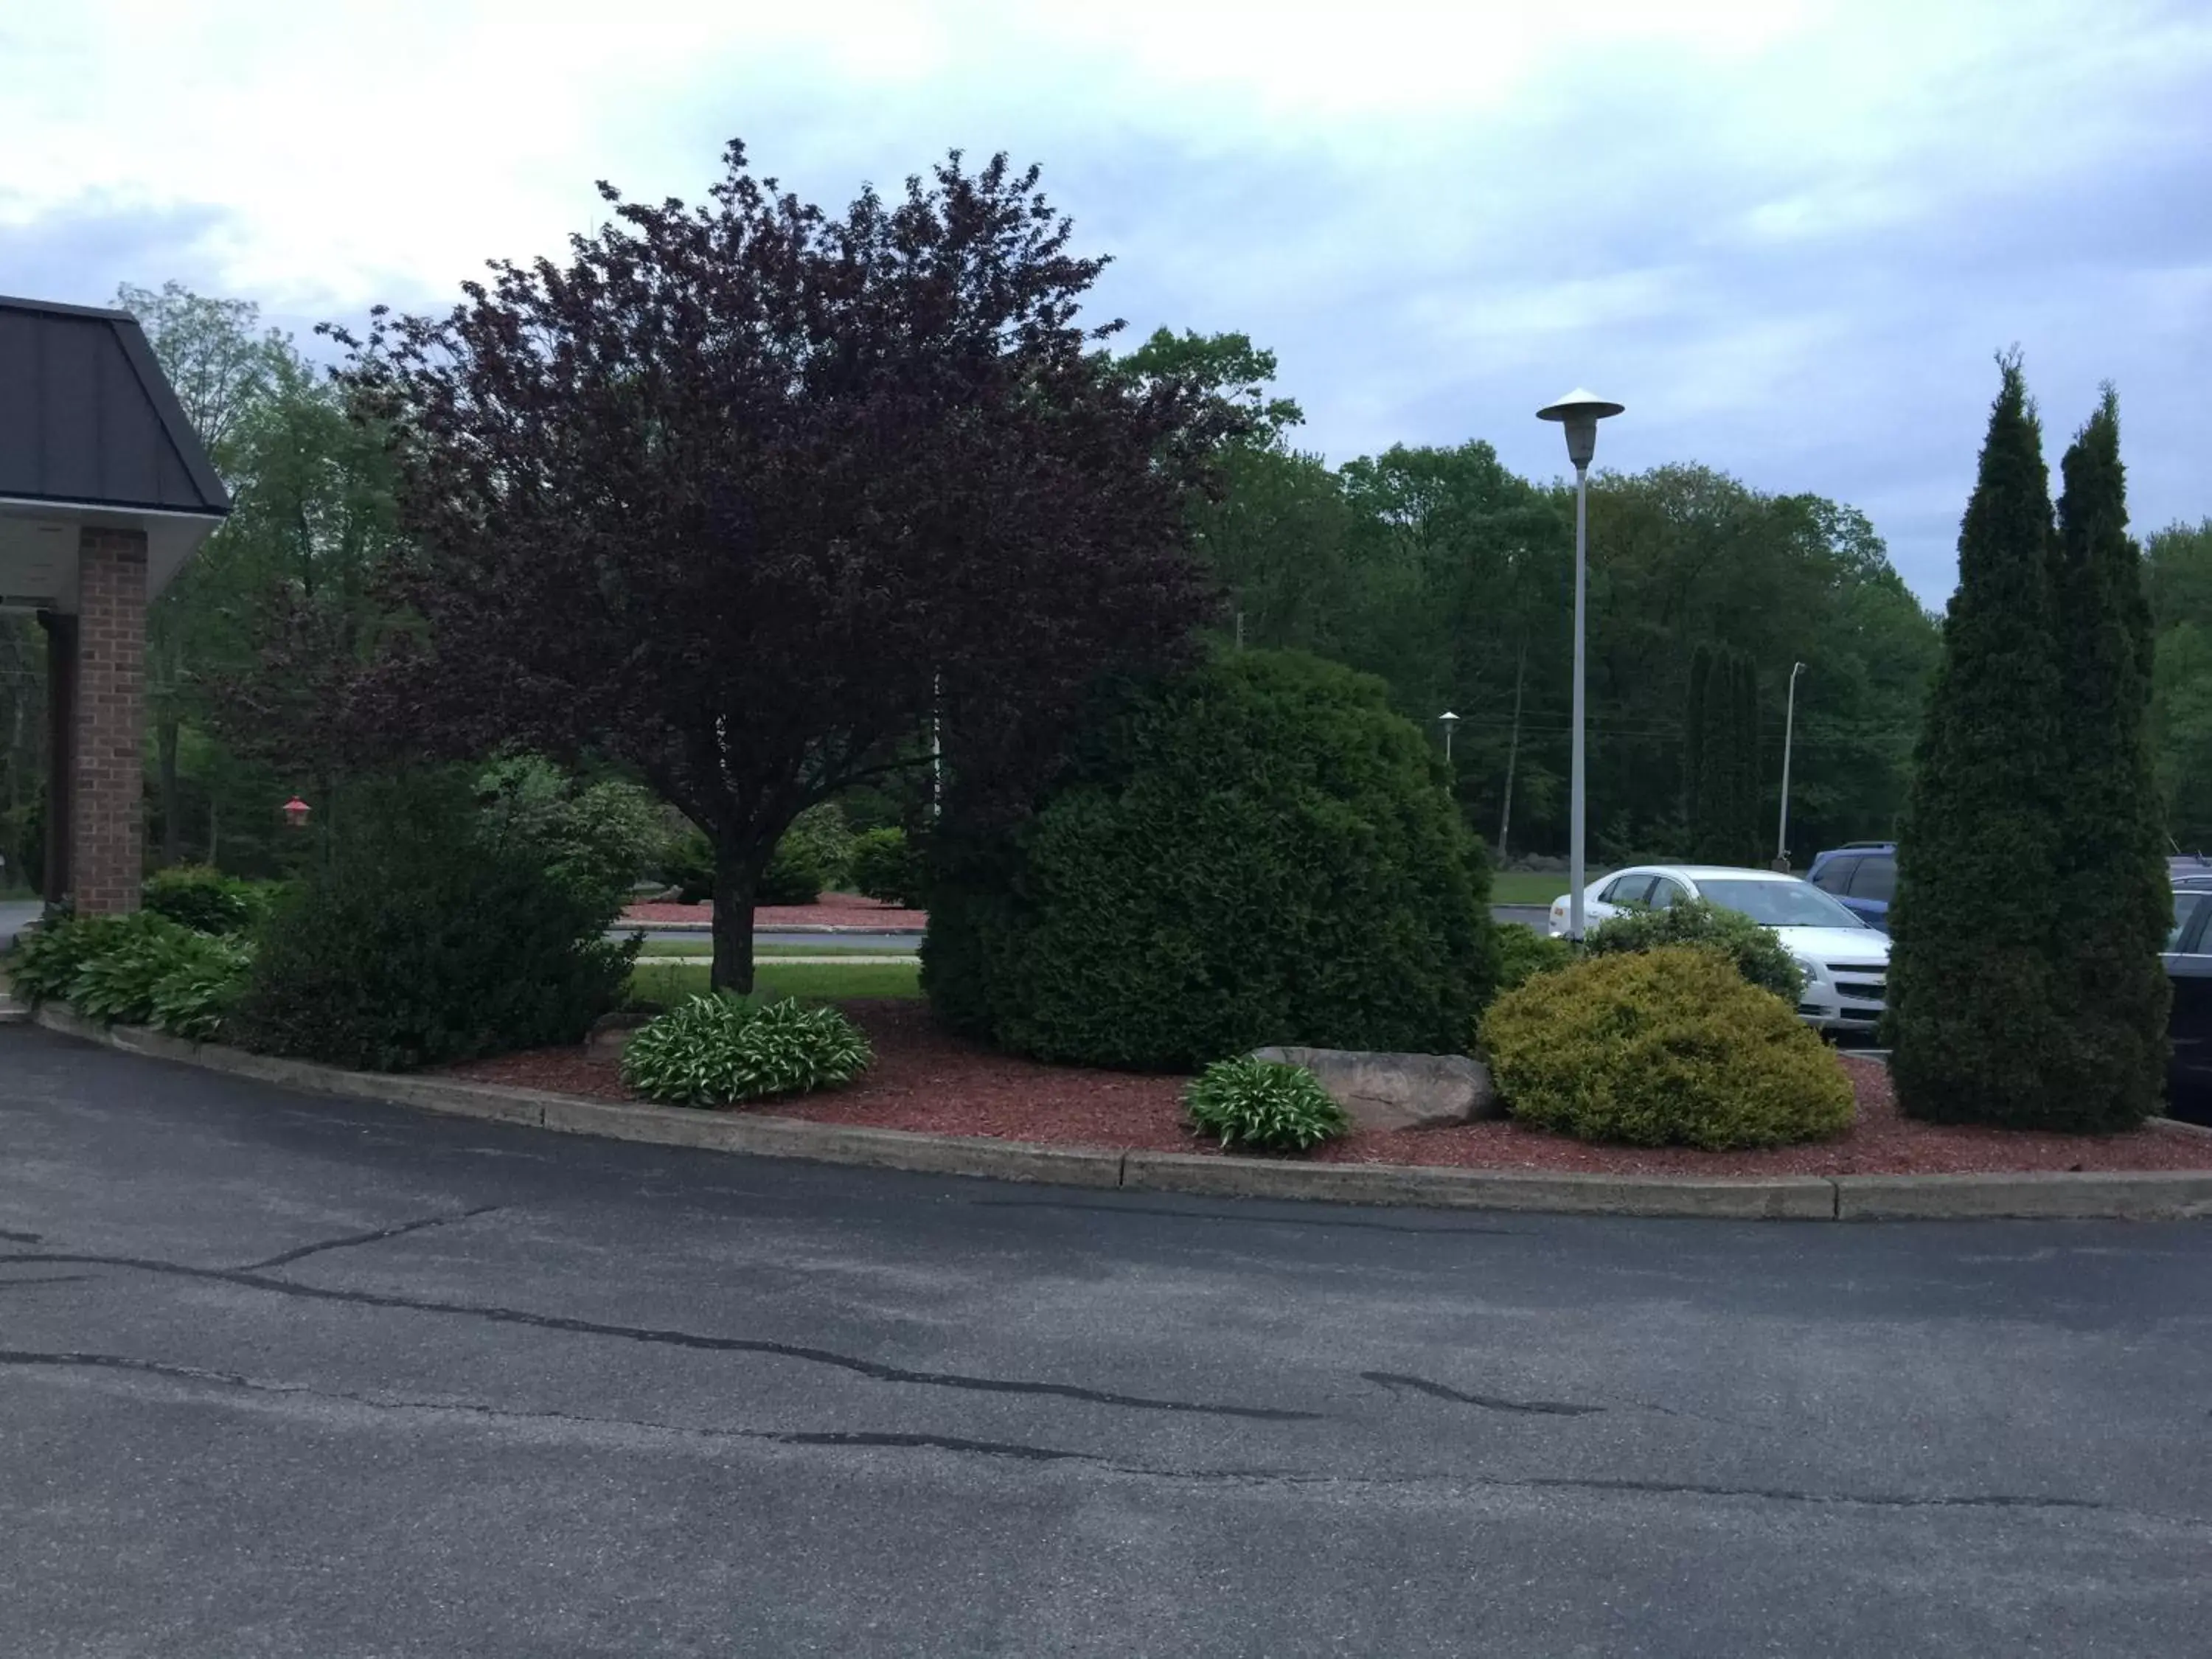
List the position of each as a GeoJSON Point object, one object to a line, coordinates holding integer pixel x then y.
{"type": "Point", "coordinates": [1845, 963]}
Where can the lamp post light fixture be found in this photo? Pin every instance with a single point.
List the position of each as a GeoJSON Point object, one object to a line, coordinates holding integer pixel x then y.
{"type": "Point", "coordinates": [1448, 719]}
{"type": "Point", "coordinates": [1578, 413]}
{"type": "Point", "coordinates": [1789, 731]}
{"type": "Point", "coordinates": [296, 812]}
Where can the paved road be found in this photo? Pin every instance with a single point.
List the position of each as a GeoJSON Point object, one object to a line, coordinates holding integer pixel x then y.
{"type": "Point", "coordinates": [14, 916]}
{"type": "Point", "coordinates": [281, 1376]}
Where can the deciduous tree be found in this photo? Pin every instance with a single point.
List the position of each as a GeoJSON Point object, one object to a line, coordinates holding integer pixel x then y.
{"type": "Point", "coordinates": [743, 494]}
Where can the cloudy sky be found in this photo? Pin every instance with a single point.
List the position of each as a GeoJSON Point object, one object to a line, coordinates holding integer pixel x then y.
{"type": "Point", "coordinates": [1787, 236]}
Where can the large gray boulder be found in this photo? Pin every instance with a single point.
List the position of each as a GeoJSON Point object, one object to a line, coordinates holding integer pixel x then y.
{"type": "Point", "coordinates": [1398, 1091]}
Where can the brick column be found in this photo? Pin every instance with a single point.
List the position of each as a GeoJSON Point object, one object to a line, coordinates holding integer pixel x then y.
{"type": "Point", "coordinates": [107, 826]}
{"type": "Point", "coordinates": [61, 739]}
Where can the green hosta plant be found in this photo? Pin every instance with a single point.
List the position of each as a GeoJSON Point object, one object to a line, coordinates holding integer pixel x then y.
{"type": "Point", "coordinates": [46, 958]}
{"type": "Point", "coordinates": [720, 1050]}
{"type": "Point", "coordinates": [1260, 1103]}
{"type": "Point", "coordinates": [128, 957]}
{"type": "Point", "coordinates": [192, 999]}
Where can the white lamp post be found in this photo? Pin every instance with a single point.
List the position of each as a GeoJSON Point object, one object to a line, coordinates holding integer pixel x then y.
{"type": "Point", "coordinates": [1448, 719]}
{"type": "Point", "coordinates": [1579, 412]}
{"type": "Point", "coordinates": [1789, 730]}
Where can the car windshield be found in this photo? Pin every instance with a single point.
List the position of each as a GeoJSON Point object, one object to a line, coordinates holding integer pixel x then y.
{"type": "Point", "coordinates": [1778, 903]}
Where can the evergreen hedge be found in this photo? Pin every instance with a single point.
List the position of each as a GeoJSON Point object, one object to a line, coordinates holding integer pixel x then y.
{"type": "Point", "coordinates": [417, 941]}
{"type": "Point", "coordinates": [1257, 852]}
{"type": "Point", "coordinates": [1973, 998]}
{"type": "Point", "coordinates": [2114, 898]}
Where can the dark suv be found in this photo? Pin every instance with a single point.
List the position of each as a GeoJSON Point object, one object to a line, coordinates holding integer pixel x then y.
{"type": "Point", "coordinates": [1863, 874]}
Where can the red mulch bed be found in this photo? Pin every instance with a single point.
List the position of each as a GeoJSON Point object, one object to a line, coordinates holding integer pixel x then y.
{"type": "Point", "coordinates": [927, 1080]}
{"type": "Point", "coordinates": [833, 911]}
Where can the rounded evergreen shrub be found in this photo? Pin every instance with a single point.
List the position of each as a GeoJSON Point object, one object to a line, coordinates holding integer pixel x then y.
{"type": "Point", "coordinates": [418, 941]}
{"type": "Point", "coordinates": [1523, 953]}
{"type": "Point", "coordinates": [1262, 1104]}
{"type": "Point", "coordinates": [722, 1050]}
{"type": "Point", "coordinates": [1660, 1047]}
{"type": "Point", "coordinates": [886, 866]}
{"type": "Point", "coordinates": [1257, 852]}
{"type": "Point", "coordinates": [205, 900]}
{"type": "Point", "coordinates": [1757, 954]}
{"type": "Point", "coordinates": [795, 874]}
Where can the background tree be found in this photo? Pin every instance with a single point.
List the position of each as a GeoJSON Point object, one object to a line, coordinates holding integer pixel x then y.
{"type": "Point", "coordinates": [1972, 981]}
{"type": "Point", "coordinates": [746, 493]}
{"type": "Point", "coordinates": [221, 364]}
{"type": "Point", "coordinates": [2178, 574]}
{"type": "Point", "coordinates": [2115, 904]}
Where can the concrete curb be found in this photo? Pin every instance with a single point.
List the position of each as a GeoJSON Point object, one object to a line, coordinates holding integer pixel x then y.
{"type": "Point", "coordinates": [2132, 1196]}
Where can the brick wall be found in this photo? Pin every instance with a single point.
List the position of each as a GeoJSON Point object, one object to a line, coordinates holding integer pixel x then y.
{"type": "Point", "coordinates": [108, 810]}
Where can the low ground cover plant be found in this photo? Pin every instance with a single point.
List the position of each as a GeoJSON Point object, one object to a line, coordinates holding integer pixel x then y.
{"type": "Point", "coordinates": [1660, 1047]}
{"type": "Point", "coordinates": [1263, 1105]}
{"type": "Point", "coordinates": [1758, 954]}
{"type": "Point", "coordinates": [725, 1050]}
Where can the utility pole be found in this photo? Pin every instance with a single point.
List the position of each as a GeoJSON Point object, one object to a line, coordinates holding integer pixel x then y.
{"type": "Point", "coordinates": [1789, 731]}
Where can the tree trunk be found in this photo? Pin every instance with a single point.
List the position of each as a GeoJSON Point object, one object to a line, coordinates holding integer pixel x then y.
{"type": "Point", "coordinates": [215, 832]}
{"type": "Point", "coordinates": [173, 816]}
{"type": "Point", "coordinates": [1512, 752]}
{"type": "Point", "coordinates": [737, 879]}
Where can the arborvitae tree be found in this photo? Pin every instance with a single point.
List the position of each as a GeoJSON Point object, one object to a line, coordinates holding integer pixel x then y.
{"type": "Point", "coordinates": [1695, 809]}
{"type": "Point", "coordinates": [1743, 814]}
{"type": "Point", "coordinates": [2115, 902]}
{"type": "Point", "coordinates": [1972, 993]}
{"type": "Point", "coordinates": [1721, 758]}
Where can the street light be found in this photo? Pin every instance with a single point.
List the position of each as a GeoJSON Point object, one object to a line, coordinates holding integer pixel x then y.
{"type": "Point", "coordinates": [1448, 720]}
{"type": "Point", "coordinates": [1789, 730]}
{"type": "Point", "coordinates": [1579, 412]}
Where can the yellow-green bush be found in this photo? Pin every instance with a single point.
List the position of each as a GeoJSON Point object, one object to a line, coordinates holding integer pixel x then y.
{"type": "Point", "coordinates": [1662, 1046]}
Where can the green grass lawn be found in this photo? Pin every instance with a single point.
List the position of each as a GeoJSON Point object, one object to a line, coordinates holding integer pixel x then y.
{"type": "Point", "coordinates": [705, 948]}
{"type": "Point", "coordinates": [1520, 887]}
{"type": "Point", "coordinates": [807, 981]}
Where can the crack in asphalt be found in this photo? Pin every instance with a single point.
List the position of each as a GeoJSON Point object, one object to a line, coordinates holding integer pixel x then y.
{"type": "Point", "coordinates": [1396, 1381]}
{"type": "Point", "coordinates": [44, 1279]}
{"type": "Point", "coordinates": [375, 1238]}
{"type": "Point", "coordinates": [22, 1238]}
{"type": "Point", "coordinates": [492, 1314]}
{"type": "Point", "coordinates": [1023, 1452]}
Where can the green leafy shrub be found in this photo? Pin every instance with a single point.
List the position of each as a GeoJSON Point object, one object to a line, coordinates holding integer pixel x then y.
{"type": "Point", "coordinates": [1523, 953]}
{"type": "Point", "coordinates": [795, 874]}
{"type": "Point", "coordinates": [688, 865]}
{"type": "Point", "coordinates": [194, 999]}
{"type": "Point", "coordinates": [207, 901]}
{"type": "Point", "coordinates": [596, 838]}
{"type": "Point", "coordinates": [1659, 1047]}
{"type": "Point", "coordinates": [420, 942]}
{"type": "Point", "coordinates": [885, 865]}
{"type": "Point", "coordinates": [720, 1050]}
{"type": "Point", "coordinates": [128, 957]}
{"type": "Point", "coordinates": [822, 833]}
{"type": "Point", "coordinates": [1262, 1104]}
{"type": "Point", "coordinates": [1758, 956]}
{"type": "Point", "coordinates": [1257, 852]}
